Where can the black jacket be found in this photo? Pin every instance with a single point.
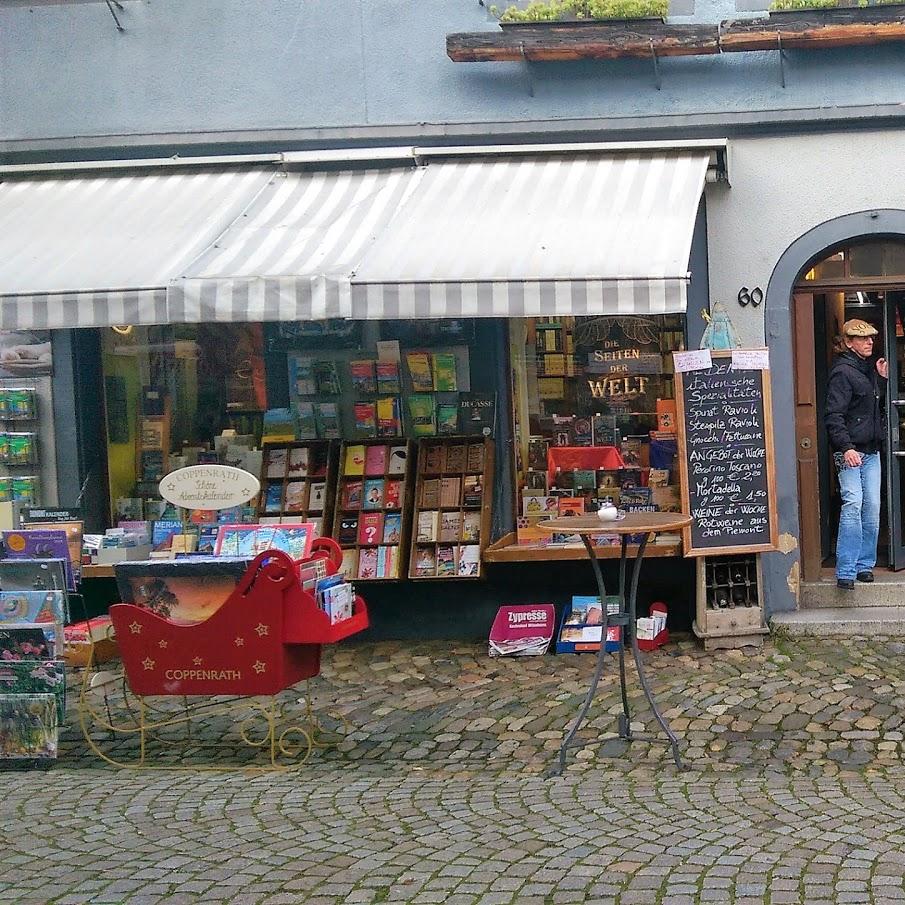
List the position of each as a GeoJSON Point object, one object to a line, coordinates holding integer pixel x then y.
{"type": "Point", "coordinates": [854, 414]}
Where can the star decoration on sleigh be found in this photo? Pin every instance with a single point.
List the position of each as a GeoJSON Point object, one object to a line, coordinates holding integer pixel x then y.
{"type": "Point", "coordinates": [239, 642]}
{"type": "Point", "coordinates": [197, 661]}
{"type": "Point", "coordinates": [262, 629]}
{"type": "Point", "coordinates": [148, 663]}
{"type": "Point", "coordinates": [135, 628]}
{"type": "Point", "coordinates": [259, 667]}
{"type": "Point", "coordinates": [162, 643]}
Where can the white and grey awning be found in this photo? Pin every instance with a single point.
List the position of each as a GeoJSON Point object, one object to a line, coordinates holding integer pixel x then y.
{"type": "Point", "coordinates": [99, 249]}
{"type": "Point", "coordinates": [290, 256]}
{"type": "Point", "coordinates": [403, 235]}
{"type": "Point", "coordinates": [544, 235]}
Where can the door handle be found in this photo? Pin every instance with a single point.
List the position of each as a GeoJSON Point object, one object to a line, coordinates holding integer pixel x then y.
{"type": "Point", "coordinates": [898, 401]}
{"type": "Point", "coordinates": [899, 453]}
{"type": "Point", "coordinates": [805, 443]}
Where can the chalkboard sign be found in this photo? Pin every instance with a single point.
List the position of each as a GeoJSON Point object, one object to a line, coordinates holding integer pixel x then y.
{"type": "Point", "coordinates": [726, 458]}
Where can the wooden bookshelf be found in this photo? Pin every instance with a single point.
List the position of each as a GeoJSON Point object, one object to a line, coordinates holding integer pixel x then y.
{"type": "Point", "coordinates": [453, 494]}
{"type": "Point", "coordinates": [372, 515]}
{"type": "Point", "coordinates": [298, 482]}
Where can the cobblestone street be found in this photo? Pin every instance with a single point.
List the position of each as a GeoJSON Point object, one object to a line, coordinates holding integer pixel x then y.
{"type": "Point", "coordinates": [796, 791]}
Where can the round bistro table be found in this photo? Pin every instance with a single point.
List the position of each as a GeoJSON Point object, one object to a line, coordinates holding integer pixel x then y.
{"type": "Point", "coordinates": [646, 524]}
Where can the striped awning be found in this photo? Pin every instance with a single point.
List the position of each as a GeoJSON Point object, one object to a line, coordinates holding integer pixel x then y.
{"type": "Point", "coordinates": [291, 254]}
{"type": "Point", "coordinates": [95, 250]}
{"type": "Point", "coordinates": [543, 235]}
{"type": "Point", "coordinates": [430, 233]}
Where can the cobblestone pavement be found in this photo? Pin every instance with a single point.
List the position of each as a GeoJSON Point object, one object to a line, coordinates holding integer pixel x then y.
{"type": "Point", "coordinates": [796, 791]}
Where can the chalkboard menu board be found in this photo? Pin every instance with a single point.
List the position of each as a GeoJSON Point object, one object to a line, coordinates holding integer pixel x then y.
{"type": "Point", "coordinates": [726, 458]}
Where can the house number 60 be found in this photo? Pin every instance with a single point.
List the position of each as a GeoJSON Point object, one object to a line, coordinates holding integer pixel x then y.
{"type": "Point", "coordinates": [751, 297]}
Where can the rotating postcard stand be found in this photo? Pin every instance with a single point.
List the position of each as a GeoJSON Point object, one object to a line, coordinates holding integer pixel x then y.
{"type": "Point", "coordinates": [263, 640]}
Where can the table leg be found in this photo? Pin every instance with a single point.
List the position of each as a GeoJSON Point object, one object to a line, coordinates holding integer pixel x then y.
{"type": "Point", "coordinates": [639, 666]}
{"type": "Point", "coordinates": [625, 718]}
{"type": "Point", "coordinates": [601, 659]}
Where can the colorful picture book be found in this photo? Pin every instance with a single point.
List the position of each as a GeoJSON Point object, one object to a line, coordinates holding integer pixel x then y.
{"type": "Point", "coordinates": [363, 376]}
{"type": "Point", "coordinates": [30, 724]}
{"type": "Point", "coordinates": [28, 606]}
{"type": "Point", "coordinates": [422, 414]}
{"type": "Point", "coordinates": [33, 575]}
{"type": "Point", "coordinates": [250, 540]}
{"type": "Point", "coordinates": [373, 494]}
{"type": "Point", "coordinates": [28, 677]}
{"type": "Point", "coordinates": [38, 544]}
{"type": "Point", "coordinates": [28, 641]}
{"type": "Point", "coordinates": [419, 366]}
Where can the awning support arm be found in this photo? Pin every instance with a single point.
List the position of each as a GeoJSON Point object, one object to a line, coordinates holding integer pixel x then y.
{"type": "Point", "coordinates": [120, 7]}
{"type": "Point", "coordinates": [653, 54]}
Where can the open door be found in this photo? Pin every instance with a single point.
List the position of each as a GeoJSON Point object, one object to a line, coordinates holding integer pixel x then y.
{"type": "Point", "coordinates": [894, 351]}
{"type": "Point", "coordinates": [806, 435]}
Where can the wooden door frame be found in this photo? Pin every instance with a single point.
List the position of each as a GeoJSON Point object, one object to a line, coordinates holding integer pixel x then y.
{"type": "Point", "coordinates": [806, 436]}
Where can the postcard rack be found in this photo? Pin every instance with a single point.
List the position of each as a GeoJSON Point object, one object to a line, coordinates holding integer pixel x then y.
{"type": "Point", "coordinates": [265, 638]}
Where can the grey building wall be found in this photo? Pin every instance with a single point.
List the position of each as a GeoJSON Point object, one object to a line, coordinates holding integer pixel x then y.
{"type": "Point", "coordinates": [240, 68]}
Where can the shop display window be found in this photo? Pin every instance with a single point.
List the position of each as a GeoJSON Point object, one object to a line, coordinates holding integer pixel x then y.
{"type": "Point", "coordinates": [282, 400]}
{"type": "Point", "coordinates": [594, 416]}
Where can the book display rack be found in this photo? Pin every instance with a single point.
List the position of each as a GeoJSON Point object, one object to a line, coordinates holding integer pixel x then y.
{"type": "Point", "coordinates": [33, 611]}
{"type": "Point", "coordinates": [18, 444]}
{"type": "Point", "coordinates": [373, 511]}
{"type": "Point", "coordinates": [298, 483]}
{"type": "Point", "coordinates": [453, 491]}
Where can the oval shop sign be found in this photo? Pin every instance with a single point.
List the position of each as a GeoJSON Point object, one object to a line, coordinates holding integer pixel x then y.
{"type": "Point", "coordinates": [209, 487]}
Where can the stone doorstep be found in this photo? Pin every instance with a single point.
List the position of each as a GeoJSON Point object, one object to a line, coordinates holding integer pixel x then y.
{"type": "Point", "coordinates": [834, 622]}
{"type": "Point", "coordinates": [887, 592]}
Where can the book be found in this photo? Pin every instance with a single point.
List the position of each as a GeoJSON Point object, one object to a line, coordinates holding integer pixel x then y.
{"type": "Point", "coordinates": [318, 460]}
{"type": "Point", "coordinates": [207, 539]}
{"type": "Point", "coordinates": [279, 426]}
{"type": "Point", "coordinates": [326, 416]}
{"type": "Point", "coordinates": [305, 421]}
{"type": "Point", "coordinates": [373, 494]}
{"type": "Point", "coordinates": [392, 495]}
{"type": "Point", "coordinates": [430, 493]}
{"type": "Point", "coordinates": [273, 497]}
{"type": "Point", "coordinates": [584, 479]}
{"type": "Point", "coordinates": [354, 461]}
{"type": "Point", "coordinates": [389, 417]}
{"type": "Point", "coordinates": [477, 412]}
{"type": "Point", "coordinates": [349, 567]}
{"type": "Point", "coordinates": [370, 528]}
{"type": "Point", "coordinates": [375, 460]}
{"type": "Point", "coordinates": [398, 460]}
{"type": "Point", "coordinates": [425, 561]}
{"type": "Point", "coordinates": [351, 495]}
{"type": "Point", "coordinates": [363, 376]}
{"type": "Point", "coordinates": [537, 453]}
{"type": "Point", "coordinates": [27, 641]}
{"type": "Point", "coordinates": [392, 528]}
{"type": "Point", "coordinates": [32, 607]}
{"type": "Point", "coordinates": [277, 460]}
{"type": "Point", "coordinates": [446, 561]}
{"type": "Point", "coordinates": [27, 677]}
{"type": "Point", "coordinates": [365, 419]}
{"type": "Point", "coordinates": [326, 378]}
{"type": "Point", "coordinates": [317, 493]}
{"type": "Point", "coordinates": [433, 458]}
{"type": "Point", "coordinates": [34, 575]}
{"type": "Point", "coordinates": [473, 491]}
{"type": "Point", "coordinates": [658, 477]}
{"type": "Point", "coordinates": [450, 526]}
{"type": "Point", "coordinates": [420, 371]}
{"type": "Point", "coordinates": [471, 526]}
{"type": "Point", "coordinates": [163, 530]}
{"type": "Point", "coordinates": [296, 496]}
{"type": "Point", "coordinates": [30, 724]}
{"type": "Point", "coordinates": [301, 376]}
{"type": "Point", "coordinates": [428, 526]}
{"type": "Point", "coordinates": [444, 372]}
{"type": "Point", "coordinates": [388, 377]}
{"type": "Point", "coordinates": [43, 543]}
{"type": "Point", "coordinates": [423, 415]}
{"type": "Point", "coordinates": [447, 418]}
{"type": "Point", "coordinates": [456, 457]}
{"type": "Point", "coordinates": [298, 462]}
{"type": "Point", "coordinates": [469, 564]}
{"type": "Point", "coordinates": [386, 562]}
{"type": "Point", "coordinates": [450, 492]}
{"type": "Point", "coordinates": [367, 562]}
{"type": "Point", "coordinates": [570, 506]}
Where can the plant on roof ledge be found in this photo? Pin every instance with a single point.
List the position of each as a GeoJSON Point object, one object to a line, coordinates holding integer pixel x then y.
{"type": "Point", "coordinates": [779, 5]}
{"type": "Point", "coordinates": [559, 10]}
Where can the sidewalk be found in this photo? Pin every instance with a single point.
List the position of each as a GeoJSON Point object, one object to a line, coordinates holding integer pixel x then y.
{"type": "Point", "coordinates": [796, 791]}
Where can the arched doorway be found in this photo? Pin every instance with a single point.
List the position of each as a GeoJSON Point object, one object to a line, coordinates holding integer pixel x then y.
{"type": "Point", "coordinates": [864, 278]}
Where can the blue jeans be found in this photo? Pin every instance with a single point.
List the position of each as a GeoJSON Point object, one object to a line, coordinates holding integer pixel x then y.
{"type": "Point", "coordinates": [859, 521]}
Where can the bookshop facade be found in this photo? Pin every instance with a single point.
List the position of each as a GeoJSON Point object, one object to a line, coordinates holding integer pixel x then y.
{"type": "Point", "coordinates": [423, 353]}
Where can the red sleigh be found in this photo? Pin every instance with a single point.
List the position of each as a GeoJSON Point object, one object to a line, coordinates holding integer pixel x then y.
{"type": "Point", "coordinates": [265, 638]}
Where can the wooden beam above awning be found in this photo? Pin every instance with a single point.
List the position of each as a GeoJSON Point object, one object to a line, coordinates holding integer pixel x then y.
{"type": "Point", "coordinates": [562, 42]}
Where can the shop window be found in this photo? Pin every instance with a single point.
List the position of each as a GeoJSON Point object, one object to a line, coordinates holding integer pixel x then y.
{"type": "Point", "coordinates": [595, 412]}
